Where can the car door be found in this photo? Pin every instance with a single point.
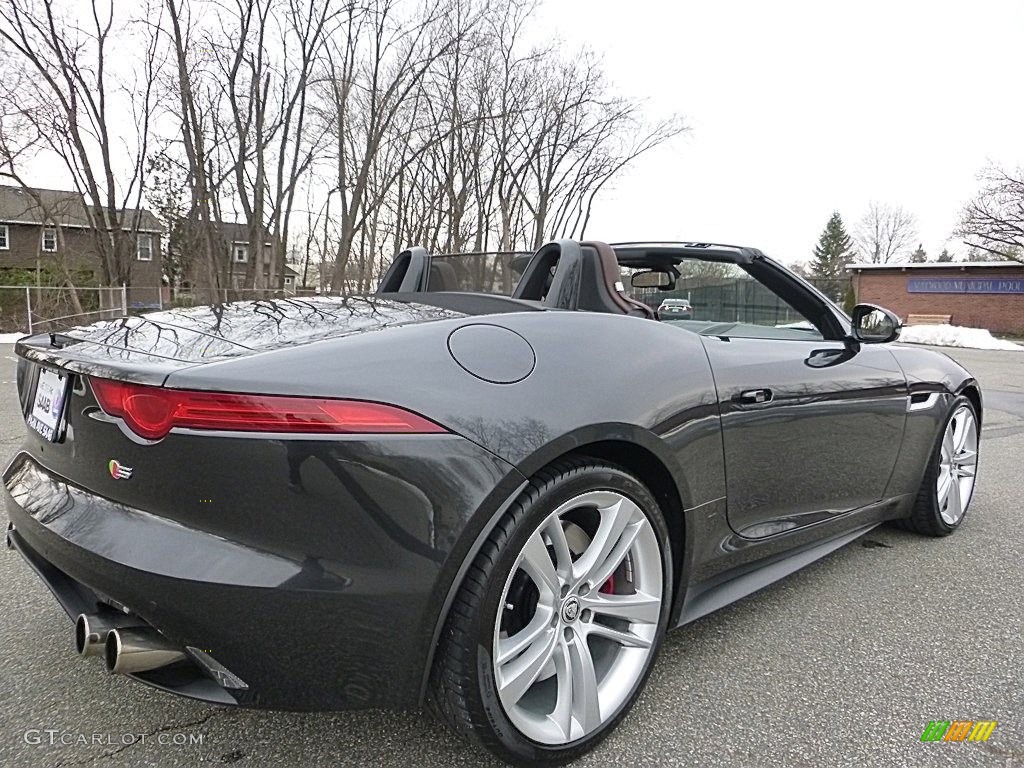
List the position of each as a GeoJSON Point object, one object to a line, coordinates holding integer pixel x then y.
{"type": "Point", "coordinates": [811, 426]}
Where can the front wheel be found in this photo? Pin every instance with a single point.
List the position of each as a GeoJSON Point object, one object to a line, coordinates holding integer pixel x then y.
{"type": "Point", "coordinates": [948, 483]}
{"type": "Point", "coordinates": [555, 628]}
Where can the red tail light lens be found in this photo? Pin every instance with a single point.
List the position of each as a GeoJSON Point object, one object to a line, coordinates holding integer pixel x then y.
{"type": "Point", "coordinates": [152, 412]}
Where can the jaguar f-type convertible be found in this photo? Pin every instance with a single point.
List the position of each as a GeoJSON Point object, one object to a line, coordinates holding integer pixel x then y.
{"type": "Point", "coordinates": [489, 488]}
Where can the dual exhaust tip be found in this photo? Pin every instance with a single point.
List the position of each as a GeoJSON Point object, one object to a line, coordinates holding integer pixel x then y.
{"type": "Point", "coordinates": [126, 647]}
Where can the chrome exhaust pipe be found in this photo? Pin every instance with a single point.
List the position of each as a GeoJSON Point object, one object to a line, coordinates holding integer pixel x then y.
{"type": "Point", "coordinates": [91, 631]}
{"type": "Point", "coordinates": [138, 649]}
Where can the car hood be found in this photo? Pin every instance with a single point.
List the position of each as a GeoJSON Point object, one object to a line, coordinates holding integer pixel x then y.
{"type": "Point", "coordinates": [148, 346]}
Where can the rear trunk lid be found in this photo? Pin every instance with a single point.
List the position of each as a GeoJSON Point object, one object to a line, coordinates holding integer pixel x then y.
{"type": "Point", "coordinates": [71, 439]}
{"type": "Point", "coordinates": [148, 348]}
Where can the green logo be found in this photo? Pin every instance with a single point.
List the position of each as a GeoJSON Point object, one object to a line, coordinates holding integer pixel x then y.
{"type": "Point", "coordinates": [958, 730]}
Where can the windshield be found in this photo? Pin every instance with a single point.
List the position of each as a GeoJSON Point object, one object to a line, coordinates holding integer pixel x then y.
{"type": "Point", "coordinates": [495, 273]}
{"type": "Point", "coordinates": [721, 299]}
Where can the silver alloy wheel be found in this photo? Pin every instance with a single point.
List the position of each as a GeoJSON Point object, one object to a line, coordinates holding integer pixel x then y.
{"type": "Point", "coordinates": [958, 463]}
{"type": "Point", "coordinates": [584, 639]}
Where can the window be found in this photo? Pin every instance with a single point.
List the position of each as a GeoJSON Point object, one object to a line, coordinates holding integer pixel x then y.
{"type": "Point", "coordinates": [49, 239]}
{"type": "Point", "coordinates": [287, 279]}
{"type": "Point", "coordinates": [144, 248]}
{"type": "Point", "coordinates": [240, 253]}
{"type": "Point", "coordinates": [721, 299]}
{"type": "Point", "coordinates": [496, 273]}
{"type": "Point", "coordinates": [5, 237]}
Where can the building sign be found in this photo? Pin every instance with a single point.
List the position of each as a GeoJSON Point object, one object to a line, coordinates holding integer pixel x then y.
{"type": "Point", "coordinates": [965, 285]}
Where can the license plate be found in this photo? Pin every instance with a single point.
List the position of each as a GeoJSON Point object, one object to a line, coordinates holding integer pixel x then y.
{"type": "Point", "coordinates": [48, 404]}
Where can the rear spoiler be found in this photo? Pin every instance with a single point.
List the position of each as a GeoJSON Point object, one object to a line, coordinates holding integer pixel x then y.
{"type": "Point", "coordinates": [92, 358]}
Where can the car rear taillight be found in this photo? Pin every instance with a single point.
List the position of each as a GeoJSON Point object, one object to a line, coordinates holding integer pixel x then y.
{"type": "Point", "coordinates": [152, 412]}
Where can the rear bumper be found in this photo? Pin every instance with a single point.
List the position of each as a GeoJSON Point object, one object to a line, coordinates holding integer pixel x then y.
{"type": "Point", "coordinates": [299, 632]}
{"type": "Point", "coordinates": [195, 678]}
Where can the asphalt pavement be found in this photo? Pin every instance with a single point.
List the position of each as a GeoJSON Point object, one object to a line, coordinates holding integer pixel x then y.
{"type": "Point", "coordinates": [843, 663]}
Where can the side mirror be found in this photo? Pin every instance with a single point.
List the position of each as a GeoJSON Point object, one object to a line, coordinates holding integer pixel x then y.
{"type": "Point", "coordinates": [651, 279]}
{"type": "Point", "coordinates": [875, 325]}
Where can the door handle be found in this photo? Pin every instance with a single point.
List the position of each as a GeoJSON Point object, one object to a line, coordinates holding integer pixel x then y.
{"type": "Point", "coordinates": [753, 397]}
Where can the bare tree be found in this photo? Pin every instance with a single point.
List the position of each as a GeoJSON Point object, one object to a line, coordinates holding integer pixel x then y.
{"type": "Point", "coordinates": [885, 233]}
{"type": "Point", "coordinates": [297, 147]}
{"type": "Point", "coordinates": [55, 211]}
{"type": "Point", "coordinates": [19, 141]}
{"type": "Point", "coordinates": [92, 115]}
{"type": "Point", "coordinates": [993, 222]}
{"type": "Point", "coordinates": [377, 69]}
{"type": "Point", "coordinates": [511, 146]}
{"type": "Point", "coordinates": [391, 121]}
{"type": "Point", "coordinates": [593, 137]}
{"type": "Point", "coordinates": [199, 223]}
{"type": "Point", "coordinates": [243, 79]}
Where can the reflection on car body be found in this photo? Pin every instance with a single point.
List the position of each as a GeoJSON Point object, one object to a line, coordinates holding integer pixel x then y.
{"type": "Point", "coordinates": [496, 483]}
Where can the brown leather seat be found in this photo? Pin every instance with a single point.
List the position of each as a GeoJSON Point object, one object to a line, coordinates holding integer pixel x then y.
{"type": "Point", "coordinates": [602, 289]}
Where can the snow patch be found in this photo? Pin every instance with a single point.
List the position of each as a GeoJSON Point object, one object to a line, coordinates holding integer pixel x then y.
{"type": "Point", "coordinates": [10, 338]}
{"type": "Point", "coordinates": [956, 336]}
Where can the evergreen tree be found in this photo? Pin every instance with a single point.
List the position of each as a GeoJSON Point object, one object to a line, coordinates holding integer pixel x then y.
{"type": "Point", "coordinates": [919, 255]}
{"type": "Point", "coordinates": [945, 255]}
{"type": "Point", "coordinates": [833, 251]}
{"type": "Point", "coordinates": [850, 301]}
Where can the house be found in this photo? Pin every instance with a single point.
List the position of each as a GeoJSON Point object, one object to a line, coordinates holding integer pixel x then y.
{"type": "Point", "coordinates": [237, 251]}
{"type": "Point", "coordinates": [49, 229]}
{"type": "Point", "coordinates": [291, 278]}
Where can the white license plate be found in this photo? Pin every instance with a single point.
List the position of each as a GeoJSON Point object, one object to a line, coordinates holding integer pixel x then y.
{"type": "Point", "coordinates": [48, 404]}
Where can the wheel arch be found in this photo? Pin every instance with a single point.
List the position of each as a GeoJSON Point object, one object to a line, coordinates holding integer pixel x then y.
{"type": "Point", "coordinates": [649, 470]}
{"type": "Point", "coordinates": [643, 454]}
{"type": "Point", "coordinates": [631, 448]}
{"type": "Point", "coordinates": [972, 392]}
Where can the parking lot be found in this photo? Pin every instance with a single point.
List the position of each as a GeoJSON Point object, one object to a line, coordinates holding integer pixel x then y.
{"type": "Point", "coordinates": [843, 663]}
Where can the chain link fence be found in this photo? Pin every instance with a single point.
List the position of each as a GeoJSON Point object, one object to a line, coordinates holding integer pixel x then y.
{"type": "Point", "coordinates": [30, 309]}
{"type": "Point", "coordinates": [34, 308]}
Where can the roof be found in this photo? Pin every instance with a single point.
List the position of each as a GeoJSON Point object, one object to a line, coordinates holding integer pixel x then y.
{"type": "Point", "coordinates": [237, 232]}
{"type": "Point", "coordinates": [939, 265]}
{"type": "Point", "coordinates": [62, 208]}
{"type": "Point", "coordinates": [646, 251]}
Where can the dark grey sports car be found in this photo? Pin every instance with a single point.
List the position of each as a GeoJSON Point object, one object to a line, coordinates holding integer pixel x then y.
{"type": "Point", "coordinates": [490, 487]}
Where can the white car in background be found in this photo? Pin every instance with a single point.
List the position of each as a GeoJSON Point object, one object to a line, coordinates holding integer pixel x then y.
{"type": "Point", "coordinates": [680, 308]}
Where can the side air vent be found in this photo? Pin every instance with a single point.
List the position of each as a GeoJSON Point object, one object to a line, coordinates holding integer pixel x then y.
{"type": "Point", "coordinates": [922, 401]}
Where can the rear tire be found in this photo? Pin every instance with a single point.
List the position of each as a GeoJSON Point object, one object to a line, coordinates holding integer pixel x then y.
{"type": "Point", "coordinates": [535, 663]}
{"type": "Point", "coordinates": [948, 483]}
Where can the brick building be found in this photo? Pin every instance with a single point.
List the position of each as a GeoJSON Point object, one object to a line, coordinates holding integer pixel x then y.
{"type": "Point", "coordinates": [978, 294]}
{"type": "Point", "coordinates": [50, 230]}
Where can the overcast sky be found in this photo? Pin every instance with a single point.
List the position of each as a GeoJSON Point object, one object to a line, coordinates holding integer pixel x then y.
{"type": "Point", "coordinates": [801, 108]}
{"type": "Point", "coordinates": [797, 109]}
